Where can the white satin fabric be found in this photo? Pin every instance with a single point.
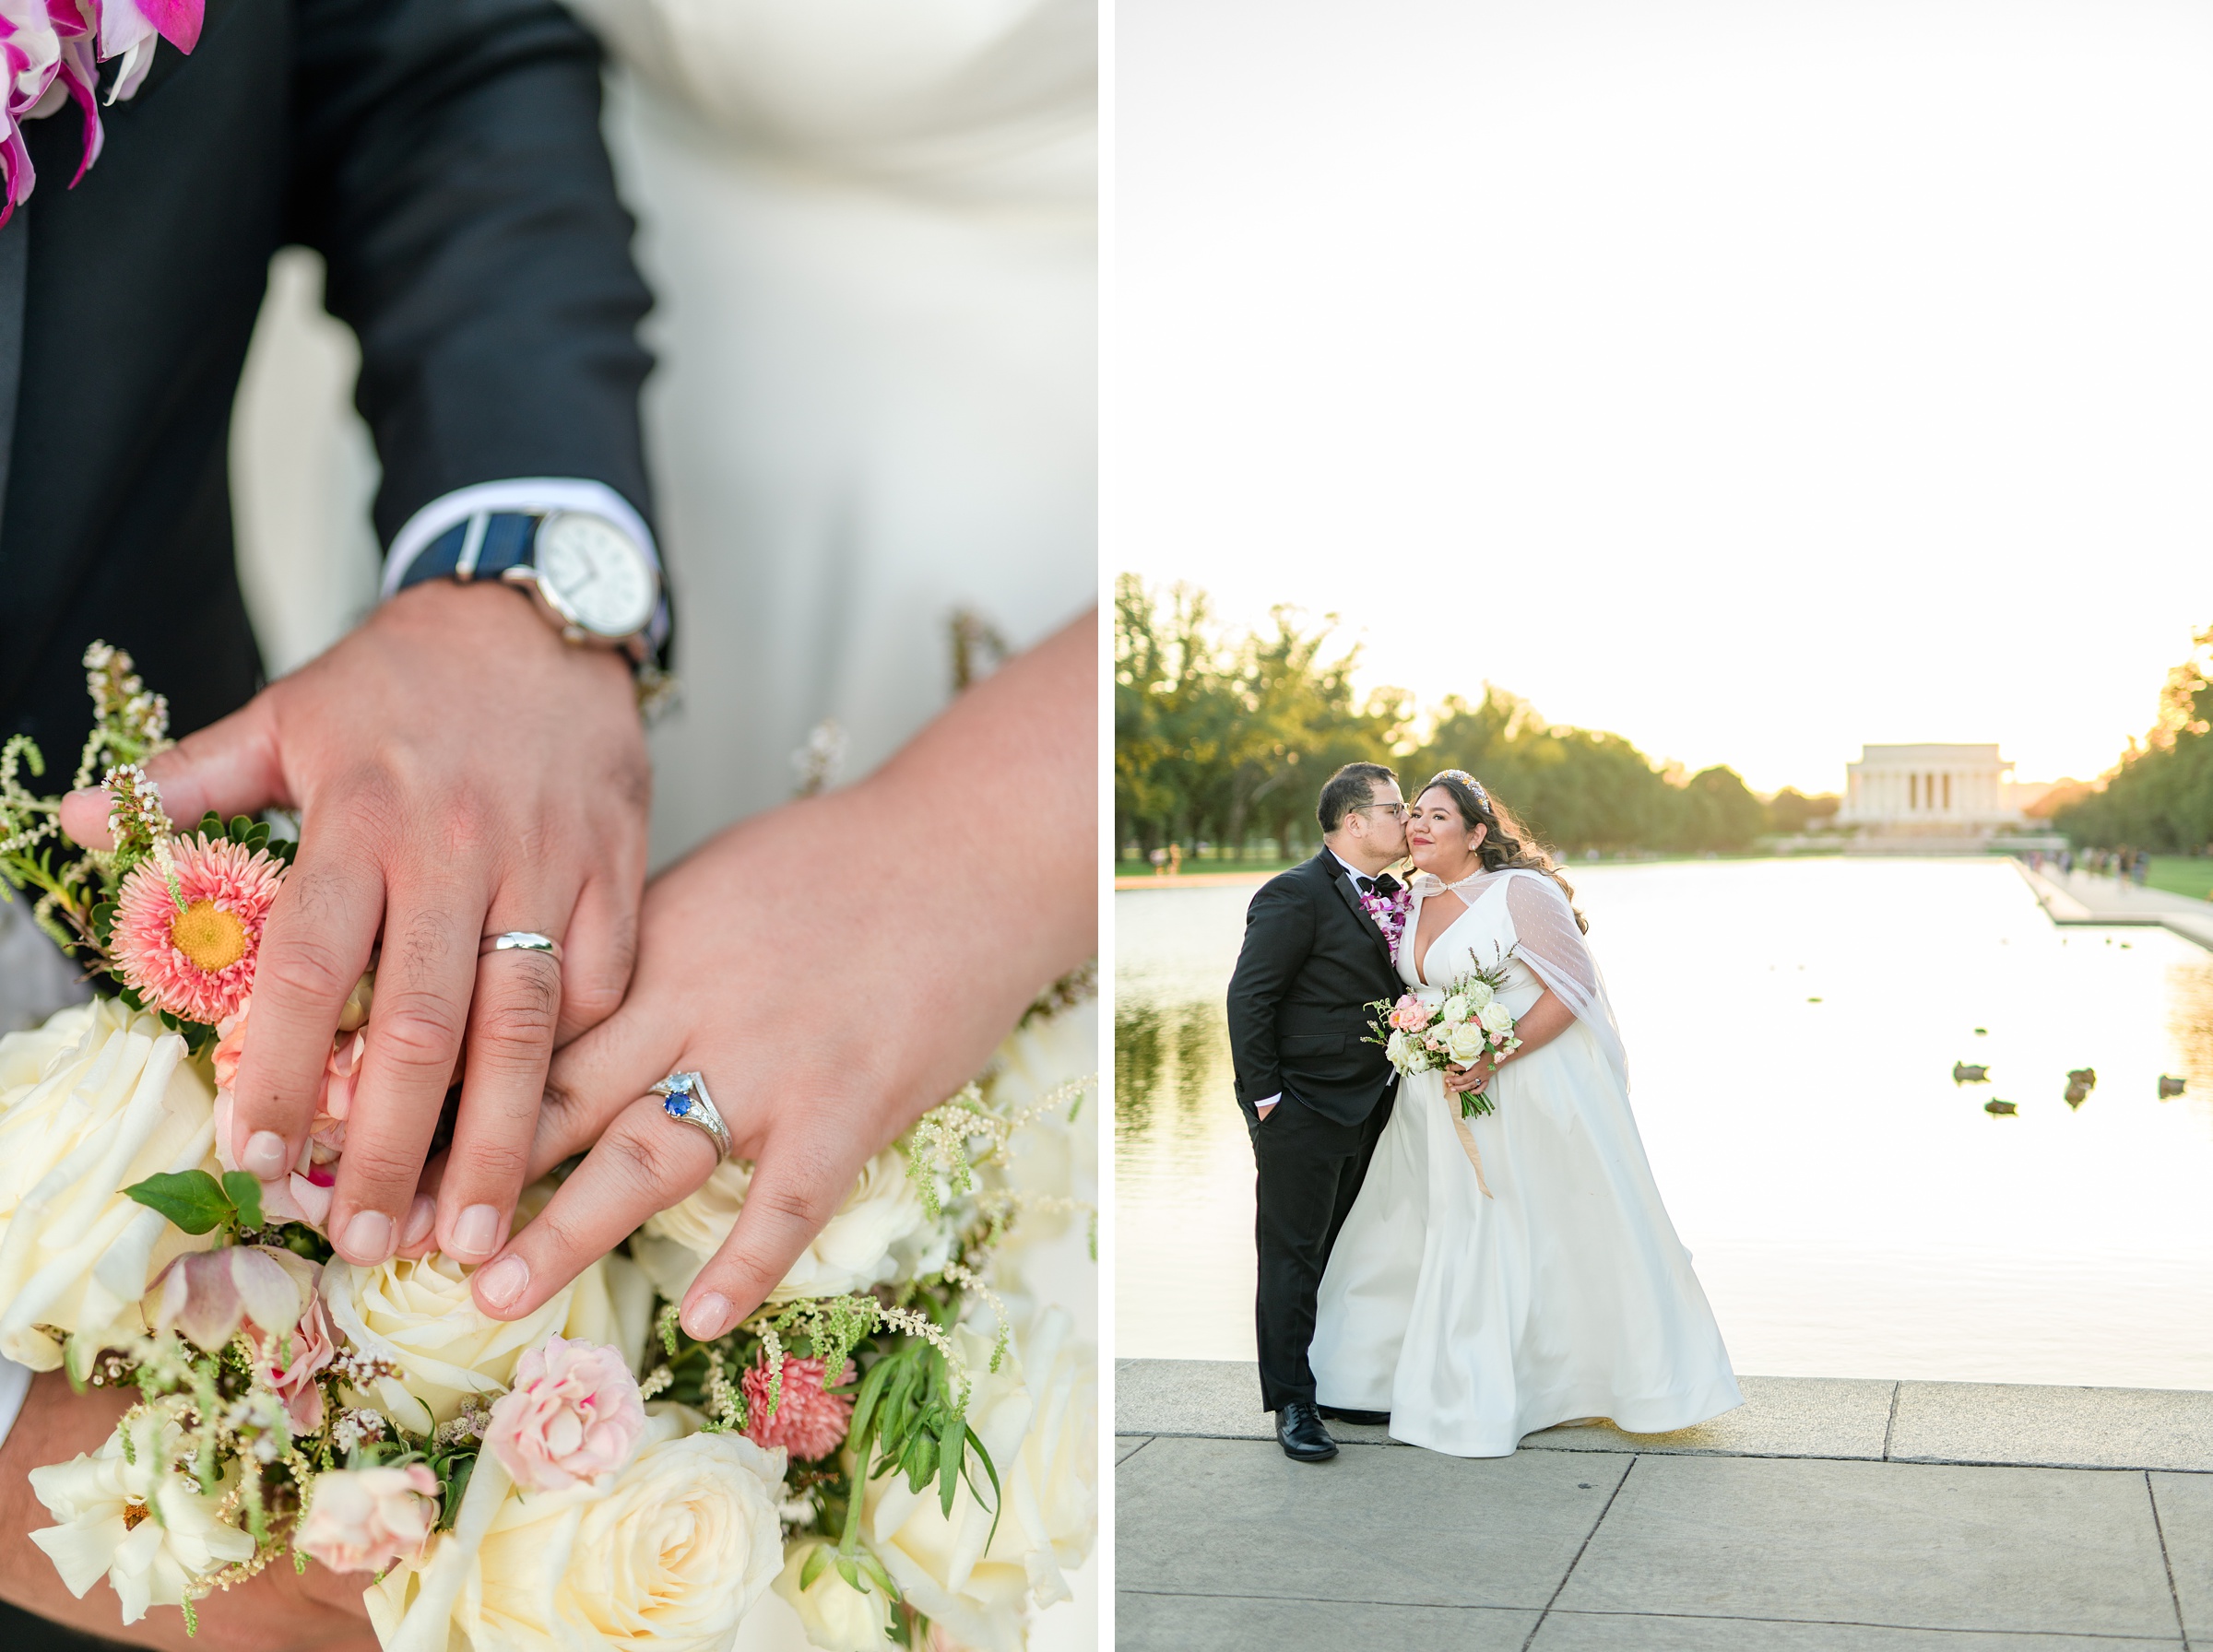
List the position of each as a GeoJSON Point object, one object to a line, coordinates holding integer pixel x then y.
{"type": "Point", "coordinates": [869, 227]}
{"type": "Point", "coordinates": [1475, 1321]}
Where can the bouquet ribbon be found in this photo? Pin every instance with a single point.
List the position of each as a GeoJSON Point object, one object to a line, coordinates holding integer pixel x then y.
{"type": "Point", "coordinates": [1467, 1142]}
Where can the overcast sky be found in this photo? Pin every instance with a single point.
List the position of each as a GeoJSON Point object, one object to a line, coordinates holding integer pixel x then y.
{"type": "Point", "coordinates": [1755, 380]}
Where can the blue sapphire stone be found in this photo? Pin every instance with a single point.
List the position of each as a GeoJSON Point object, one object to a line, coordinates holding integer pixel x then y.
{"type": "Point", "coordinates": [676, 1103]}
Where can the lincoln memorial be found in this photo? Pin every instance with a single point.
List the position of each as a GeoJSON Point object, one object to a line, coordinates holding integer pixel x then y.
{"type": "Point", "coordinates": [1953, 795]}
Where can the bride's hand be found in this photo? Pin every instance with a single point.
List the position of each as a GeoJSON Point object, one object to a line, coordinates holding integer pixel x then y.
{"type": "Point", "coordinates": [1459, 1079]}
{"type": "Point", "coordinates": [833, 968]}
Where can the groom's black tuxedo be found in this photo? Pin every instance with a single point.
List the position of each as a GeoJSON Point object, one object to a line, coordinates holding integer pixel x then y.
{"type": "Point", "coordinates": [444, 156]}
{"type": "Point", "coordinates": [1313, 960]}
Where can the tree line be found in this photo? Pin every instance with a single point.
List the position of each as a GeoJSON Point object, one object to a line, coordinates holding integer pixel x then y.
{"type": "Point", "coordinates": [2159, 796]}
{"type": "Point", "coordinates": [1227, 737]}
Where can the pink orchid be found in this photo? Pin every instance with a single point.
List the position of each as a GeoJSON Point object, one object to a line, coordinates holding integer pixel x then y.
{"type": "Point", "coordinates": [43, 41]}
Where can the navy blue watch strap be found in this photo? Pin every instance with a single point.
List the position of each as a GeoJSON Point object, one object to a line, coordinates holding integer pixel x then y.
{"type": "Point", "coordinates": [504, 540]}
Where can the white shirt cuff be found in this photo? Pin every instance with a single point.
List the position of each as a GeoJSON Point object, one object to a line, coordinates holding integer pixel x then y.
{"type": "Point", "coordinates": [533, 493]}
{"type": "Point", "coordinates": [1263, 1106]}
{"type": "Point", "coordinates": [15, 1384]}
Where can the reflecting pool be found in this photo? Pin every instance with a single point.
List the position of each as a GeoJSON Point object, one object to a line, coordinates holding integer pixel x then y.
{"type": "Point", "coordinates": [1791, 1029]}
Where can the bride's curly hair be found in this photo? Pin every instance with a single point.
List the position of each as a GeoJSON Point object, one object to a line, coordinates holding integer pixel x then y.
{"type": "Point", "coordinates": [1507, 843]}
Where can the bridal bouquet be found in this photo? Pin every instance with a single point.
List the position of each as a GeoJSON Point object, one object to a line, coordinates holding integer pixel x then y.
{"type": "Point", "coordinates": [1422, 1037]}
{"type": "Point", "coordinates": [901, 1443]}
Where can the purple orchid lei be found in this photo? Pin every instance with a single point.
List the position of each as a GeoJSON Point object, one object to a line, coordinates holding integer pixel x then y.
{"type": "Point", "coordinates": [51, 51]}
{"type": "Point", "coordinates": [1389, 913]}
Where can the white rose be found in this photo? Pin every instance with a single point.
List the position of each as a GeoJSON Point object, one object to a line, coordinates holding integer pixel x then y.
{"type": "Point", "coordinates": [1464, 1042]}
{"type": "Point", "coordinates": [1477, 993]}
{"type": "Point", "coordinates": [140, 1524]}
{"type": "Point", "coordinates": [1396, 1049]}
{"type": "Point", "coordinates": [419, 1316]}
{"type": "Point", "coordinates": [111, 1099]}
{"type": "Point", "coordinates": [1038, 1416]}
{"type": "Point", "coordinates": [1455, 1010]}
{"type": "Point", "coordinates": [835, 1615]}
{"type": "Point", "coordinates": [857, 1248]}
{"type": "Point", "coordinates": [1496, 1017]}
{"type": "Point", "coordinates": [673, 1551]}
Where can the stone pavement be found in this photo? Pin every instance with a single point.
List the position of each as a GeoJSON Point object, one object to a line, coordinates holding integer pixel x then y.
{"type": "Point", "coordinates": [1826, 1516]}
{"type": "Point", "coordinates": [2081, 897]}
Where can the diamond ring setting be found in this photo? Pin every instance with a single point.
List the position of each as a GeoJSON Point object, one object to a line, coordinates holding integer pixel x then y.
{"type": "Point", "coordinates": [684, 1099]}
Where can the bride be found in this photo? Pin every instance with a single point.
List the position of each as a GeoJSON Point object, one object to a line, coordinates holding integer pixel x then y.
{"type": "Point", "coordinates": [1506, 1273]}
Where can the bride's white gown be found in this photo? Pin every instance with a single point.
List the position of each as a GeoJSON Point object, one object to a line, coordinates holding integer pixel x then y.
{"type": "Point", "coordinates": [1473, 1320]}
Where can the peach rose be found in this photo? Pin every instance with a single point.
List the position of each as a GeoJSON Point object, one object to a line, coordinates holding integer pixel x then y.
{"type": "Point", "coordinates": [369, 1519]}
{"type": "Point", "coordinates": [573, 1413]}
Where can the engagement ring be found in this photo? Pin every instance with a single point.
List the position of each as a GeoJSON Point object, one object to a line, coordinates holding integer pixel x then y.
{"type": "Point", "coordinates": [684, 1098]}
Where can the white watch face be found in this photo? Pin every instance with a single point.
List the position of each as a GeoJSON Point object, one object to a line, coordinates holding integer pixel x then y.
{"type": "Point", "coordinates": [596, 571]}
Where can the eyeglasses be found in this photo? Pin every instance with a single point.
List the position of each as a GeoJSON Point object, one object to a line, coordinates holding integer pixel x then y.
{"type": "Point", "coordinates": [1398, 810]}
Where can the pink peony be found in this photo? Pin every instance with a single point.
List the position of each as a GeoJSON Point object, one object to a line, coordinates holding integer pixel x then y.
{"type": "Point", "coordinates": [809, 1422]}
{"type": "Point", "coordinates": [573, 1413]}
{"type": "Point", "coordinates": [367, 1520]}
{"type": "Point", "coordinates": [195, 959]}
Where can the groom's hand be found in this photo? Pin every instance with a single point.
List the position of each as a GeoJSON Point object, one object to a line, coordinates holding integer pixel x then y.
{"type": "Point", "coordinates": [459, 770]}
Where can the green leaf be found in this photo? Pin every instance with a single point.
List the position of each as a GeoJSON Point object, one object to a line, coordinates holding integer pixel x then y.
{"type": "Point", "coordinates": [998, 1498]}
{"type": "Point", "coordinates": [816, 1562]}
{"type": "Point", "coordinates": [950, 1443]}
{"type": "Point", "coordinates": [245, 1189]}
{"type": "Point", "coordinates": [241, 828]}
{"type": "Point", "coordinates": [104, 921]}
{"type": "Point", "coordinates": [456, 1486]}
{"type": "Point", "coordinates": [191, 1198]}
{"type": "Point", "coordinates": [211, 825]}
{"type": "Point", "coordinates": [879, 1576]}
{"type": "Point", "coordinates": [851, 1573]}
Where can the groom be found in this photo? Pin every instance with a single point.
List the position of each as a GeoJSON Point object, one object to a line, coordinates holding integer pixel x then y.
{"type": "Point", "coordinates": [1314, 1094]}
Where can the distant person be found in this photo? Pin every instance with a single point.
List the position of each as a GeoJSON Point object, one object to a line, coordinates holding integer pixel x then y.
{"type": "Point", "coordinates": [1314, 1094]}
{"type": "Point", "coordinates": [1513, 1271]}
{"type": "Point", "coordinates": [1175, 861]}
{"type": "Point", "coordinates": [1159, 857]}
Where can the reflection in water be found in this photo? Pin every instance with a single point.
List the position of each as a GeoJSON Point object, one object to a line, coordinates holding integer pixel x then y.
{"type": "Point", "coordinates": [1792, 1030]}
{"type": "Point", "coordinates": [2189, 1024]}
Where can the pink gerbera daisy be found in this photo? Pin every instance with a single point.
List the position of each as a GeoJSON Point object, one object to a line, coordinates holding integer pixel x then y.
{"type": "Point", "coordinates": [809, 1422]}
{"type": "Point", "coordinates": [190, 949]}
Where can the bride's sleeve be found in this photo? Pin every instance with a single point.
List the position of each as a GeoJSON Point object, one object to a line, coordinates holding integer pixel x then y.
{"type": "Point", "coordinates": [1550, 941]}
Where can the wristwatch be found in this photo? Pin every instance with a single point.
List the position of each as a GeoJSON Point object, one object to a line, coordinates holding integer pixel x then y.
{"type": "Point", "coordinates": [589, 575]}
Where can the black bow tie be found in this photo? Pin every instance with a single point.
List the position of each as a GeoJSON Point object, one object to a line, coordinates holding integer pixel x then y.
{"type": "Point", "coordinates": [1385, 885]}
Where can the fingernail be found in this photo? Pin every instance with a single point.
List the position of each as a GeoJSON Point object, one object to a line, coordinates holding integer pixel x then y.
{"type": "Point", "coordinates": [503, 1280]}
{"type": "Point", "coordinates": [476, 1233]}
{"type": "Point", "coordinates": [265, 1155]}
{"type": "Point", "coordinates": [708, 1317]}
{"type": "Point", "coordinates": [422, 1215]}
{"type": "Point", "coordinates": [368, 1237]}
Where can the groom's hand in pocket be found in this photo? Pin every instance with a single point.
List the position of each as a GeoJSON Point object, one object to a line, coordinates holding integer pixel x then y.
{"type": "Point", "coordinates": [459, 771]}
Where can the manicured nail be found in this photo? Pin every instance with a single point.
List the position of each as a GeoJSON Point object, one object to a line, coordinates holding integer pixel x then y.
{"type": "Point", "coordinates": [368, 1237]}
{"type": "Point", "coordinates": [265, 1156]}
{"type": "Point", "coordinates": [708, 1316]}
{"type": "Point", "coordinates": [503, 1280]}
{"type": "Point", "coordinates": [422, 1215]}
{"type": "Point", "coordinates": [476, 1233]}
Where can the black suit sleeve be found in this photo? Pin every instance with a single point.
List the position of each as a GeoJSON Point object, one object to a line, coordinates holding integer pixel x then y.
{"type": "Point", "coordinates": [448, 164]}
{"type": "Point", "coordinates": [1279, 934]}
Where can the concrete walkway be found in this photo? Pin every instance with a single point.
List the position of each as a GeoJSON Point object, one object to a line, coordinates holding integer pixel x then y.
{"type": "Point", "coordinates": [2081, 897]}
{"type": "Point", "coordinates": [1823, 1516]}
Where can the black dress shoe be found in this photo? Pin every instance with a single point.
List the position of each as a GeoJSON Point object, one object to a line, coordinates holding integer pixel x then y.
{"type": "Point", "coordinates": [1366, 1418]}
{"type": "Point", "coordinates": [1299, 1432]}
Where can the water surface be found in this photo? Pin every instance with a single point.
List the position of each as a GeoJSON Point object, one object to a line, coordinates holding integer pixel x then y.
{"type": "Point", "coordinates": [1792, 1028]}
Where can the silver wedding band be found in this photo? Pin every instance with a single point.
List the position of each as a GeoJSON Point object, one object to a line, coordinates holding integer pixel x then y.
{"type": "Point", "coordinates": [684, 1098]}
{"type": "Point", "coordinates": [519, 941]}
